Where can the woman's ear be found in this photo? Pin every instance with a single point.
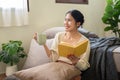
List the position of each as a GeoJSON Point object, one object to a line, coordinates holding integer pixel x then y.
{"type": "Point", "coordinates": [78, 24]}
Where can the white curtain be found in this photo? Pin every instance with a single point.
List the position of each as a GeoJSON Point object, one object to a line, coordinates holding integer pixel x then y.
{"type": "Point", "coordinates": [13, 13]}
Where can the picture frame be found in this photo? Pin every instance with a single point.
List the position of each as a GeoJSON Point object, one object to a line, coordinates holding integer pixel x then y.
{"type": "Point", "coordinates": [73, 1]}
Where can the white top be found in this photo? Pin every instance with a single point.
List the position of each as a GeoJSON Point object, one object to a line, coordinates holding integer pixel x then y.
{"type": "Point", "coordinates": [82, 64]}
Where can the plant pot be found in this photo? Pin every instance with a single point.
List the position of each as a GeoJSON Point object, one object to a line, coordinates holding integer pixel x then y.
{"type": "Point", "coordinates": [10, 70]}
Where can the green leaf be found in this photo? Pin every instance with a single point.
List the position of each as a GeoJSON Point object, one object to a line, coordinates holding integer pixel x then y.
{"type": "Point", "coordinates": [12, 52]}
{"type": "Point", "coordinates": [108, 28]}
{"type": "Point", "coordinates": [109, 1]}
{"type": "Point", "coordinates": [109, 9]}
{"type": "Point", "coordinates": [111, 16]}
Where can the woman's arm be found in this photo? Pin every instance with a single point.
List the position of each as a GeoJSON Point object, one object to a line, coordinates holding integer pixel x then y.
{"type": "Point", "coordinates": [48, 51]}
{"type": "Point", "coordinates": [53, 51]}
{"type": "Point", "coordinates": [83, 62]}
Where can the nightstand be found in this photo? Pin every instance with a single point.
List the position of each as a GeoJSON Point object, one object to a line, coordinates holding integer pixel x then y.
{"type": "Point", "coordinates": [2, 76]}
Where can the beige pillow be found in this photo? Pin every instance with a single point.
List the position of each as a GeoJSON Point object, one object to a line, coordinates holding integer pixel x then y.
{"type": "Point", "coordinates": [51, 32]}
{"type": "Point", "coordinates": [37, 54]}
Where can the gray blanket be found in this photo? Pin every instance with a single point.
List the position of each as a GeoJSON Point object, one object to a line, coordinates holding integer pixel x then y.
{"type": "Point", "coordinates": [101, 59]}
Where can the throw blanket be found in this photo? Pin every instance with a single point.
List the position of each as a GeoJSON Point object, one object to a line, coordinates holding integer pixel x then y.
{"type": "Point", "coordinates": [101, 59]}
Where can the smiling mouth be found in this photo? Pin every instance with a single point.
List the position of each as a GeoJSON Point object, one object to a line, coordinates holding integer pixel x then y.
{"type": "Point", "coordinates": [67, 27]}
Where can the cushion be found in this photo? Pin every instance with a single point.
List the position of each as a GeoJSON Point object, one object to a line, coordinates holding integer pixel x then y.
{"type": "Point", "coordinates": [87, 33]}
{"type": "Point", "coordinates": [37, 54]}
{"type": "Point", "coordinates": [52, 31]}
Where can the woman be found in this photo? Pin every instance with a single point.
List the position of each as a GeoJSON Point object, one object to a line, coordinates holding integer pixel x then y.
{"type": "Point", "coordinates": [65, 68]}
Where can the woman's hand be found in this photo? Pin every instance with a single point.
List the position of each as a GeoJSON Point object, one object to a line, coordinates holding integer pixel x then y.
{"type": "Point", "coordinates": [73, 58]}
{"type": "Point", "coordinates": [35, 36]}
{"type": "Point", "coordinates": [40, 38]}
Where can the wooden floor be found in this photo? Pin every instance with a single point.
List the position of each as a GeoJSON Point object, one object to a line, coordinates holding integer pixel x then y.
{"type": "Point", "coordinates": [2, 76]}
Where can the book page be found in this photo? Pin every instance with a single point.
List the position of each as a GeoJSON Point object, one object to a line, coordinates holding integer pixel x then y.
{"type": "Point", "coordinates": [81, 48]}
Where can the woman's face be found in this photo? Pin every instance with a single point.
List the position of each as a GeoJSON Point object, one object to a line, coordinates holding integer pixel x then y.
{"type": "Point", "coordinates": [69, 23]}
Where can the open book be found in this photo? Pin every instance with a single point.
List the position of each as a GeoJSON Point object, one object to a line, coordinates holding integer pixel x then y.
{"type": "Point", "coordinates": [65, 49]}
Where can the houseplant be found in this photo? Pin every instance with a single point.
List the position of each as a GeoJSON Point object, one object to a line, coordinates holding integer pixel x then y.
{"type": "Point", "coordinates": [111, 16]}
{"type": "Point", "coordinates": [11, 53]}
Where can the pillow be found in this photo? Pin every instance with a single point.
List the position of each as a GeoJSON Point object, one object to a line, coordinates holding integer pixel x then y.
{"type": "Point", "coordinates": [87, 33]}
{"type": "Point", "coordinates": [52, 31]}
{"type": "Point", "coordinates": [37, 55]}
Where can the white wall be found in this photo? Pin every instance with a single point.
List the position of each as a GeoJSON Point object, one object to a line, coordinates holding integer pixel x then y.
{"type": "Point", "coordinates": [46, 13]}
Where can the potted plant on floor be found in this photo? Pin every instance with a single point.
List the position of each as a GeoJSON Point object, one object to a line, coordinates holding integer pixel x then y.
{"type": "Point", "coordinates": [111, 17]}
{"type": "Point", "coordinates": [11, 54]}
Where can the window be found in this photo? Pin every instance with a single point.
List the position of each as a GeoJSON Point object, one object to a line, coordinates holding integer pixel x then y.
{"type": "Point", "coordinates": [73, 1]}
{"type": "Point", "coordinates": [11, 3]}
{"type": "Point", "coordinates": [13, 12]}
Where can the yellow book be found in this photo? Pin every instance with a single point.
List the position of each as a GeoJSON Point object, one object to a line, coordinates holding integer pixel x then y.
{"type": "Point", "coordinates": [65, 49]}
